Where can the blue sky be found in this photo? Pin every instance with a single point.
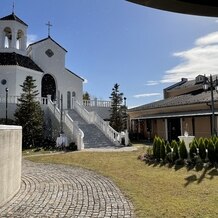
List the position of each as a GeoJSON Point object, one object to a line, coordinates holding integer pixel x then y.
{"type": "Point", "coordinates": [114, 41]}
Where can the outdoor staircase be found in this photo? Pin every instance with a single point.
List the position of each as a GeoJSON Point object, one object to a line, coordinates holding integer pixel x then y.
{"type": "Point", "coordinates": [93, 136]}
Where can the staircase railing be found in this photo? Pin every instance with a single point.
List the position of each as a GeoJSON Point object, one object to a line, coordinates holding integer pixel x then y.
{"type": "Point", "coordinates": [76, 132]}
{"type": "Point", "coordinates": [104, 126]}
{"type": "Point", "coordinates": [93, 117]}
{"type": "Point", "coordinates": [82, 111]}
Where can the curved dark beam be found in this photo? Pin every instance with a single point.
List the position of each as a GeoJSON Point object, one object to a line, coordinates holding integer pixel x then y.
{"type": "Point", "coordinates": [193, 7]}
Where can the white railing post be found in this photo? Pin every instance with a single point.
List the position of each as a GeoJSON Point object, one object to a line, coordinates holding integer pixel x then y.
{"type": "Point", "coordinates": [126, 137]}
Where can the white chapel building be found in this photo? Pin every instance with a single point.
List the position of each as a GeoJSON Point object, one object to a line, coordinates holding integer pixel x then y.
{"type": "Point", "coordinates": [82, 122]}
{"type": "Point", "coordinates": [44, 60]}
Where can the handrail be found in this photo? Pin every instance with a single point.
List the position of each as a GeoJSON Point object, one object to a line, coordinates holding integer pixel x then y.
{"type": "Point", "coordinates": [82, 111]}
{"type": "Point", "coordinates": [112, 134]}
{"type": "Point", "coordinates": [14, 99]}
{"type": "Point", "coordinates": [96, 103]}
{"type": "Point", "coordinates": [76, 132]}
{"type": "Point", "coordinates": [93, 117]}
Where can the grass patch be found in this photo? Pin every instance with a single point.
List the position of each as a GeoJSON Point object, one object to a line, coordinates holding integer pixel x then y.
{"type": "Point", "coordinates": [155, 190]}
{"type": "Point", "coordinates": [35, 151]}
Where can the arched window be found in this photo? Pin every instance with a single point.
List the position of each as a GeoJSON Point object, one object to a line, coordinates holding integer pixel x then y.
{"type": "Point", "coordinates": [73, 98]}
{"type": "Point", "coordinates": [68, 100]}
{"type": "Point", "coordinates": [8, 37]}
{"type": "Point", "coordinates": [20, 38]}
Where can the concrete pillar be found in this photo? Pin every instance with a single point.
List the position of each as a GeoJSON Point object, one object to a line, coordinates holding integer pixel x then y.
{"type": "Point", "coordinates": [10, 161]}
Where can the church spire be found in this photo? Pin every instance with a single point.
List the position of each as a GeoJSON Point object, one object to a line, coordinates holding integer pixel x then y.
{"type": "Point", "coordinates": [49, 27]}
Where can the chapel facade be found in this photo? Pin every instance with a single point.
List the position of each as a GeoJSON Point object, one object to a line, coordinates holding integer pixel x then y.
{"type": "Point", "coordinates": [44, 60]}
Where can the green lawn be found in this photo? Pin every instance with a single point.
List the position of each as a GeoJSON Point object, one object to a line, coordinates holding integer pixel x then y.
{"type": "Point", "coordinates": [155, 191]}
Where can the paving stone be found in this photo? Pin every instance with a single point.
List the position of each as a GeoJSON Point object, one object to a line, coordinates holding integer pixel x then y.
{"type": "Point", "coordinates": [49, 190]}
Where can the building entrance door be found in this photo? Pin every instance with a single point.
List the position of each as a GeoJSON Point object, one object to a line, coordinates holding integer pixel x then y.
{"type": "Point", "coordinates": [174, 128]}
{"type": "Point", "coordinates": [48, 86]}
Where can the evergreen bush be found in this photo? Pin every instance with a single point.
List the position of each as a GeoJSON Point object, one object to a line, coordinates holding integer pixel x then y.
{"type": "Point", "coordinates": [154, 146]}
{"type": "Point", "coordinates": [202, 149]}
{"type": "Point", "coordinates": [182, 150]}
{"type": "Point", "coordinates": [159, 142]}
{"type": "Point", "coordinates": [206, 142]}
{"type": "Point", "coordinates": [162, 150]}
{"type": "Point", "coordinates": [216, 150]}
{"type": "Point", "coordinates": [193, 150]}
{"type": "Point", "coordinates": [168, 148]}
{"type": "Point", "coordinates": [211, 151]}
{"type": "Point", "coordinates": [174, 144]}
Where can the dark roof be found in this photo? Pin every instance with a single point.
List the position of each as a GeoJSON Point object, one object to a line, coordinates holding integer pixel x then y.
{"type": "Point", "coordinates": [42, 40]}
{"type": "Point", "coordinates": [19, 60]}
{"type": "Point", "coordinates": [13, 17]}
{"type": "Point", "coordinates": [74, 74]}
{"type": "Point", "coordinates": [188, 99]}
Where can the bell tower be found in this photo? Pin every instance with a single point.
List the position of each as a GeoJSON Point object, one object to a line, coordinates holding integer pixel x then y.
{"type": "Point", "coordinates": [13, 34]}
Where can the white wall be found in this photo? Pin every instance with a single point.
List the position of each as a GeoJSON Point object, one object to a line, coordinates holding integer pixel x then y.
{"type": "Point", "coordinates": [15, 76]}
{"type": "Point", "coordinates": [55, 66]}
{"type": "Point", "coordinates": [10, 161]}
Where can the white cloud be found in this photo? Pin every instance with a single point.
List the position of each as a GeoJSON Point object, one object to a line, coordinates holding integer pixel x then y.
{"type": "Point", "coordinates": [146, 95]}
{"type": "Point", "coordinates": [31, 38]}
{"type": "Point", "coordinates": [152, 83]}
{"type": "Point", "coordinates": [201, 59]}
{"type": "Point", "coordinates": [208, 39]}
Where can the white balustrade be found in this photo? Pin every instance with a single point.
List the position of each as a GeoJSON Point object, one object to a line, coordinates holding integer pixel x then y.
{"type": "Point", "coordinates": [77, 133]}
{"type": "Point", "coordinates": [82, 111]}
{"type": "Point", "coordinates": [93, 117]}
{"type": "Point", "coordinates": [14, 99]}
{"type": "Point", "coordinates": [96, 103]}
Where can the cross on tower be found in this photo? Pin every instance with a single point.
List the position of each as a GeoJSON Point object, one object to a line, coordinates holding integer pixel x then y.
{"type": "Point", "coordinates": [49, 27]}
{"type": "Point", "coordinates": [13, 8]}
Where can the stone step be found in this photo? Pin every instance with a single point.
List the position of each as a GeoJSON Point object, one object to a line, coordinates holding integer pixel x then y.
{"type": "Point", "coordinates": [93, 136]}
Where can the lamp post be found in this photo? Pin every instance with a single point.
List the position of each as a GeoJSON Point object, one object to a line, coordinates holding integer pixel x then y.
{"type": "Point", "coordinates": [209, 83]}
{"type": "Point", "coordinates": [6, 106]}
{"type": "Point", "coordinates": [124, 101]}
{"type": "Point", "coordinates": [61, 100]}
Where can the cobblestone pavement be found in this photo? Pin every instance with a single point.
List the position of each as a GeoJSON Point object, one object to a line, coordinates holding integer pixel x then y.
{"type": "Point", "coordinates": [49, 191]}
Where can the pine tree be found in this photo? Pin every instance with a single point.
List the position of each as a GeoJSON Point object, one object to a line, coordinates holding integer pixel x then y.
{"type": "Point", "coordinates": [86, 96]}
{"type": "Point", "coordinates": [29, 113]}
{"type": "Point", "coordinates": [116, 116]}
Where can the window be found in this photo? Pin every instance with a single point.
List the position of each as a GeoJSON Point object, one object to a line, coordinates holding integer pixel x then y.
{"type": "Point", "coordinates": [68, 100]}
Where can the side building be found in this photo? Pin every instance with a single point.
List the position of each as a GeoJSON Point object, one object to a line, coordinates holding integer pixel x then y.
{"type": "Point", "coordinates": [185, 107]}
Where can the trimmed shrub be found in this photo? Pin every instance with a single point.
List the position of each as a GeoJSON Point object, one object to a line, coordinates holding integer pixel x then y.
{"type": "Point", "coordinates": [193, 150]}
{"type": "Point", "coordinates": [202, 149]}
{"type": "Point", "coordinates": [206, 142]}
{"type": "Point", "coordinates": [158, 145]}
{"type": "Point", "coordinates": [168, 148]}
{"type": "Point", "coordinates": [174, 144]}
{"type": "Point", "coordinates": [155, 146]}
{"type": "Point", "coordinates": [216, 150]}
{"type": "Point", "coordinates": [162, 150]}
{"type": "Point", "coordinates": [182, 150]}
{"type": "Point", "coordinates": [72, 146]}
{"type": "Point", "coordinates": [211, 151]}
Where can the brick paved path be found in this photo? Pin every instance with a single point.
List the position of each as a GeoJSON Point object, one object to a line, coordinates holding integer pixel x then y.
{"type": "Point", "coordinates": [49, 191]}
